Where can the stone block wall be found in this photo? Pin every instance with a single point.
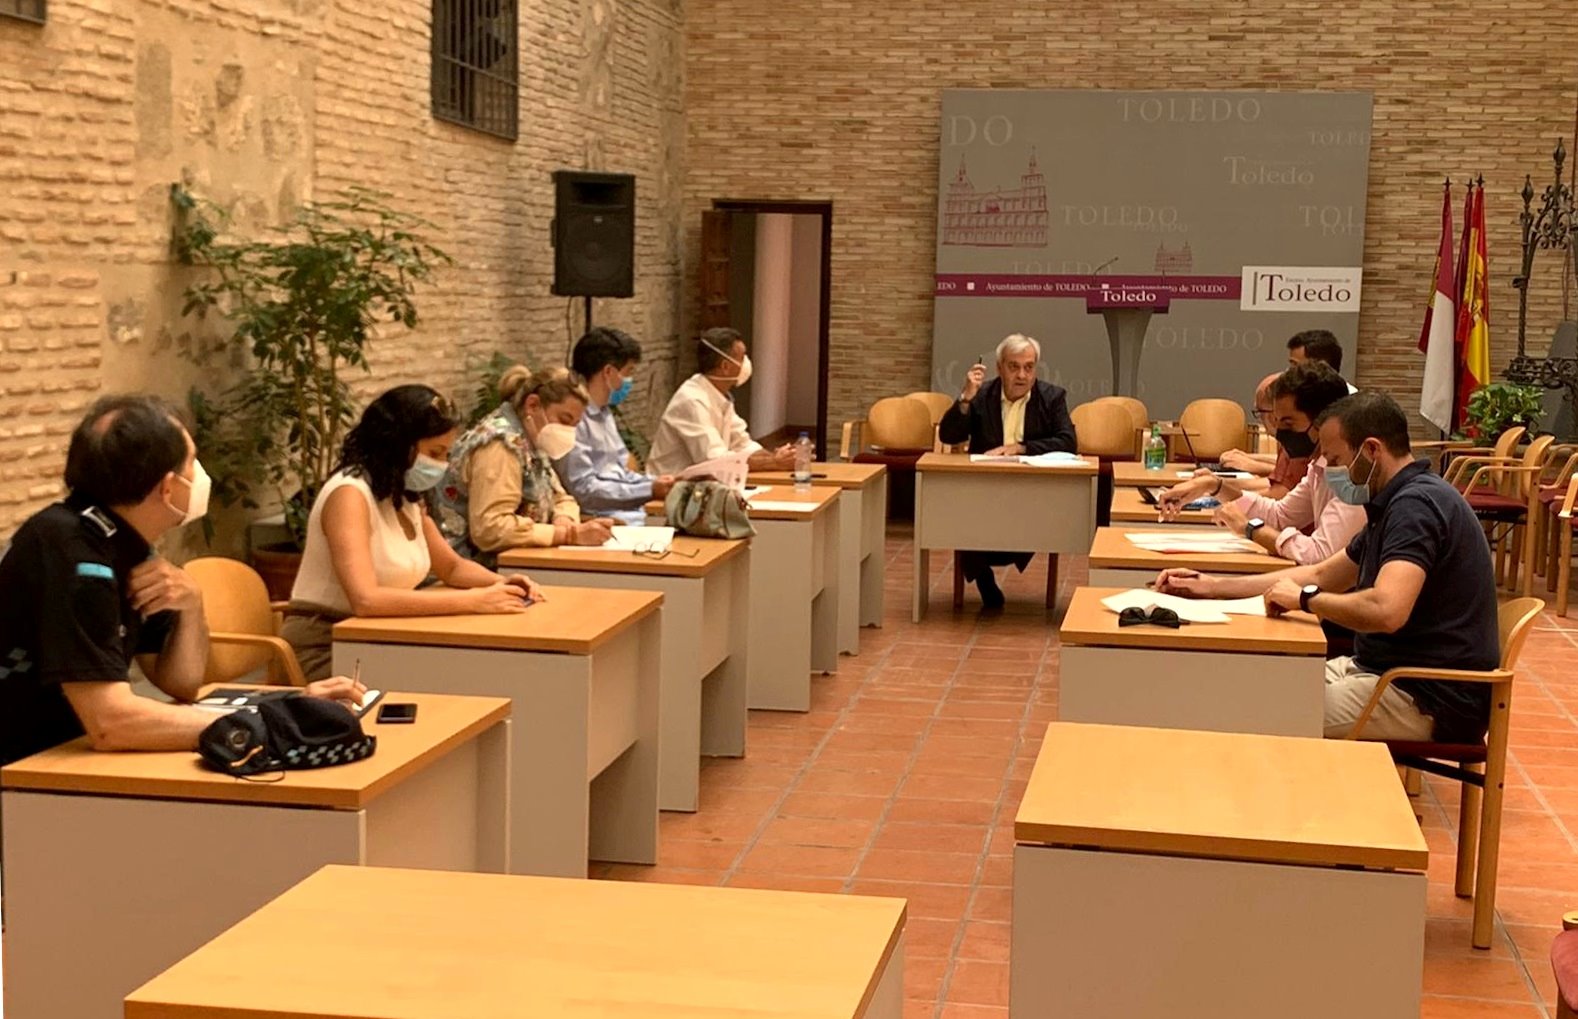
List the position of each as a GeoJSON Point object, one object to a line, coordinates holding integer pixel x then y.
{"type": "Point", "coordinates": [841, 102]}
{"type": "Point", "coordinates": [266, 104]}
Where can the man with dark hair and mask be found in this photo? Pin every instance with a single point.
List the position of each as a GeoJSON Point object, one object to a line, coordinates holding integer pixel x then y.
{"type": "Point", "coordinates": [1299, 396]}
{"type": "Point", "coordinates": [1415, 585]}
{"type": "Point", "coordinates": [85, 593]}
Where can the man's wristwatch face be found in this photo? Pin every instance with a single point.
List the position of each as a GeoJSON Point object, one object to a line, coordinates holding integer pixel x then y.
{"type": "Point", "coordinates": [1253, 526]}
{"type": "Point", "coordinates": [1309, 591]}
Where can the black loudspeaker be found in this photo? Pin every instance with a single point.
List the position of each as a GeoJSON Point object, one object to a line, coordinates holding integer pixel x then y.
{"type": "Point", "coordinates": [594, 234]}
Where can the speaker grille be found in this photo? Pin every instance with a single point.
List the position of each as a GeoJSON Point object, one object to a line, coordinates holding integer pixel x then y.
{"type": "Point", "coordinates": [594, 236]}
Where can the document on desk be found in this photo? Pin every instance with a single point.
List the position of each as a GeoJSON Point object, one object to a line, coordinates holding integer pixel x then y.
{"type": "Point", "coordinates": [1196, 610]}
{"type": "Point", "coordinates": [1186, 542]}
{"type": "Point", "coordinates": [1039, 460]}
{"type": "Point", "coordinates": [640, 539]}
{"type": "Point", "coordinates": [730, 470]}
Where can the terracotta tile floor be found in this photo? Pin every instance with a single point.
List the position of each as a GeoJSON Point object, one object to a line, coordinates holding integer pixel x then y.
{"type": "Point", "coordinates": [904, 777]}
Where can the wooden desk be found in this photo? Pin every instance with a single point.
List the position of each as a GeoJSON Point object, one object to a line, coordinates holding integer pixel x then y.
{"type": "Point", "coordinates": [1252, 674]}
{"type": "Point", "coordinates": [1129, 507]}
{"type": "Point", "coordinates": [998, 507]}
{"type": "Point", "coordinates": [1253, 865]}
{"type": "Point", "coordinates": [863, 521]}
{"type": "Point", "coordinates": [1115, 561]}
{"type": "Point", "coordinates": [705, 585]}
{"type": "Point", "coordinates": [1132, 474]}
{"type": "Point", "coordinates": [582, 669]}
{"type": "Point", "coordinates": [795, 595]}
{"type": "Point", "coordinates": [118, 865]}
{"type": "Point", "coordinates": [418, 945]}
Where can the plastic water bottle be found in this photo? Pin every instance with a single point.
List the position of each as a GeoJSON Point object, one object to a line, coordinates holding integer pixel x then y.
{"type": "Point", "coordinates": [803, 455]}
{"type": "Point", "coordinates": [1155, 450]}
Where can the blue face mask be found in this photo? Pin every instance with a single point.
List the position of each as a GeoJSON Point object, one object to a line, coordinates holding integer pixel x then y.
{"type": "Point", "coordinates": [618, 396]}
{"type": "Point", "coordinates": [425, 474]}
{"type": "Point", "coordinates": [1345, 488]}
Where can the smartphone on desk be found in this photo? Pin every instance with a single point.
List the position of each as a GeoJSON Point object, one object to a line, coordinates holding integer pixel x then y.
{"type": "Point", "coordinates": [396, 714]}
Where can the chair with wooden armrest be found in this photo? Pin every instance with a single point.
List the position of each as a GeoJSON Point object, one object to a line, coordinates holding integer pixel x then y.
{"type": "Point", "coordinates": [1505, 496]}
{"type": "Point", "coordinates": [1564, 963]}
{"type": "Point", "coordinates": [1561, 463]}
{"type": "Point", "coordinates": [243, 625]}
{"type": "Point", "coordinates": [1212, 427]}
{"type": "Point", "coordinates": [1565, 524]}
{"type": "Point", "coordinates": [1481, 767]}
{"type": "Point", "coordinates": [1503, 449]}
{"type": "Point", "coordinates": [896, 432]}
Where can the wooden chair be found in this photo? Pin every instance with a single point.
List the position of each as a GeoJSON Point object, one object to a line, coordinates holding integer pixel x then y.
{"type": "Point", "coordinates": [1213, 427]}
{"type": "Point", "coordinates": [1561, 463]}
{"type": "Point", "coordinates": [243, 625]}
{"type": "Point", "coordinates": [1104, 430]}
{"type": "Point", "coordinates": [1503, 448]}
{"type": "Point", "coordinates": [1564, 963]}
{"type": "Point", "coordinates": [1138, 415]}
{"type": "Point", "coordinates": [1565, 523]}
{"type": "Point", "coordinates": [937, 404]}
{"type": "Point", "coordinates": [1504, 492]}
{"type": "Point", "coordinates": [896, 432]}
{"type": "Point", "coordinates": [1481, 767]}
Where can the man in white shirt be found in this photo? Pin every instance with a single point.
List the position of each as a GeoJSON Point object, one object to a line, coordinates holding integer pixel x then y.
{"type": "Point", "coordinates": [700, 422]}
{"type": "Point", "coordinates": [1299, 396]}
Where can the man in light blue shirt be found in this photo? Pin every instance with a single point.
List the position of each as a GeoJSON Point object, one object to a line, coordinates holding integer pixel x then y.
{"type": "Point", "coordinates": [597, 471]}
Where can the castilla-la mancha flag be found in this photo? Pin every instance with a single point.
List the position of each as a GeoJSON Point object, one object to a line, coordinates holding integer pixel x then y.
{"type": "Point", "coordinates": [1473, 314]}
{"type": "Point", "coordinates": [1437, 340]}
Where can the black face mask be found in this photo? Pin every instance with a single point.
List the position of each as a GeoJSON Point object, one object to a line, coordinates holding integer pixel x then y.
{"type": "Point", "coordinates": [1299, 445]}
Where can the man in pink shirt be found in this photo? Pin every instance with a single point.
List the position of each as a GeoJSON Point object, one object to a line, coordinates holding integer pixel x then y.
{"type": "Point", "coordinates": [1299, 395]}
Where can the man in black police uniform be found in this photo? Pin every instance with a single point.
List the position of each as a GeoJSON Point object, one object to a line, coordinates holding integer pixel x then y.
{"type": "Point", "coordinates": [1013, 414]}
{"type": "Point", "coordinates": [84, 593]}
{"type": "Point", "coordinates": [1416, 585]}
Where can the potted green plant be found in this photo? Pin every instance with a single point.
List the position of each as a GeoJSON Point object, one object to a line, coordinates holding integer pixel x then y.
{"type": "Point", "coordinates": [1494, 408]}
{"type": "Point", "coordinates": [301, 304]}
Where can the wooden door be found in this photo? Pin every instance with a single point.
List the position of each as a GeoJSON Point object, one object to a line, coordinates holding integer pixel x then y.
{"type": "Point", "coordinates": [717, 228]}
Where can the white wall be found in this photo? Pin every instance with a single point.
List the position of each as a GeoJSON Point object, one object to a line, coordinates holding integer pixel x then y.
{"type": "Point", "coordinates": [770, 322]}
{"type": "Point", "coordinates": [805, 325]}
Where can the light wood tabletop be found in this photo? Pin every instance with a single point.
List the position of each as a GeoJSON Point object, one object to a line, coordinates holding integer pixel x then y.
{"type": "Point", "coordinates": [688, 557]}
{"type": "Point", "coordinates": [1234, 796]}
{"type": "Point", "coordinates": [1132, 474]}
{"type": "Point", "coordinates": [816, 501]}
{"type": "Point", "coordinates": [574, 620]}
{"type": "Point", "coordinates": [442, 722]}
{"type": "Point", "coordinates": [832, 474]}
{"type": "Point", "coordinates": [410, 944]}
{"type": "Point", "coordinates": [1111, 549]}
{"type": "Point", "coordinates": [1091, 624]}
{"type": "Point", "coordinates": [1128, 506]}
{"type": "Point", "coordinates": [960, 463]}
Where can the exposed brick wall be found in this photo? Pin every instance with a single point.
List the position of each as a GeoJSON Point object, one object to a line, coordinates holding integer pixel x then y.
{"type": "Point", "coordinates": [841, 102]}
{"type": "Point", "coordinates": [264, 104]}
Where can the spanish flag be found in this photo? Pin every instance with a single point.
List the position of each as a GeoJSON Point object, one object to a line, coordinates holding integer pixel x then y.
{"type": "Point", "coordinates": [1473, 313]}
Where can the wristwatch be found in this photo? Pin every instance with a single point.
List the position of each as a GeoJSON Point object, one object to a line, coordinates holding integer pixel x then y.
{"type": "Point", "coordinates": [1307, 592]}
{"type": "Point", "coordinates": [1254, 525]}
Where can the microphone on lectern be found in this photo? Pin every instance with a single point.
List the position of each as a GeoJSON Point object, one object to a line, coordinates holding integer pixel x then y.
{"type": "Point", "coordinates": [1108, 262]}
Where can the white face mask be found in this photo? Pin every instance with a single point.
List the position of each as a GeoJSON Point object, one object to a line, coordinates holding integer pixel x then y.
{"type": "Point", "coordinates": [745, 367]}
{"type": "Point", "coordinates": [555, 440]}
{"type": "Point", "coordinates": [202, 486]}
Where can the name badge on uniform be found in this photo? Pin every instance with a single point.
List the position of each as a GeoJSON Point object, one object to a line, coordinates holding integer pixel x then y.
{"type": "Point", "coordinates": [98, 570]}
{"type": "Point", "coordinates": [101, 520]}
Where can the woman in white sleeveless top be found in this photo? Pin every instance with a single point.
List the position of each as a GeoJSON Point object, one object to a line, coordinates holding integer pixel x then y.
{"type": "Point", "coordinates": [370, 542]}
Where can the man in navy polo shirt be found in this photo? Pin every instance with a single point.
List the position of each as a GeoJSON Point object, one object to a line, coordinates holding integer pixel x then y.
{"type": "Point", "coordinates": [84, 593]}
{"type": "Point", "coordinates": [1416, 585]}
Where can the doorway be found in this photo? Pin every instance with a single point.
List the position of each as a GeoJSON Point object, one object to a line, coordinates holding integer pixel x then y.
{"type": "Point", "coordinates": [766, 271]}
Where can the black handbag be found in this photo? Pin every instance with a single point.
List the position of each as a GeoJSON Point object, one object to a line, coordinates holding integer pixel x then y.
{"type": "Point", "coordinates": [287, 731]}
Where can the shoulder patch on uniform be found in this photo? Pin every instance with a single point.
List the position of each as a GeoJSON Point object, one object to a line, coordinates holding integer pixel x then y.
{"type": "Point", "coordinates": [98, 570]}
{"type": "Point", "coordinates": [101, 520]}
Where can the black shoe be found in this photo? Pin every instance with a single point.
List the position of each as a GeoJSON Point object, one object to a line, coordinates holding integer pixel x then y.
{"type": "Point", "coordinates": [991, 594]}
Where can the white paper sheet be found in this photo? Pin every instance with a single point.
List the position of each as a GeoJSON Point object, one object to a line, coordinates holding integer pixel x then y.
{"type": "Point", "coordinates": [1056, 459]}
{"type": "Point", "coordinates": [730, 470]}
{"type": "Point", "coordinates": [1186, 542]}
{"type": "Point", "coordinates": [783, 506]}
{"type": "Point", "coordinates": [1196, 610]}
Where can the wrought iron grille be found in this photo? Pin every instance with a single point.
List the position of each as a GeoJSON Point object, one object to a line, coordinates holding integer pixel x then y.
{"type": "Point", "coordinates": [27, 10]}
{"type": "Point", "coordinates": [476, 65]}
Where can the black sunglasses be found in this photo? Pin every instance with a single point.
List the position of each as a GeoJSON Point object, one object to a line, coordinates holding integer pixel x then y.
{"type": "Point", "coordinates": [1156, 617]}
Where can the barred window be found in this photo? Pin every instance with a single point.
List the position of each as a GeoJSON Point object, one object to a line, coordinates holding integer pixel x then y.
{"type": "Point", "coordinates": [476, 67]}
{"type": "Point", "coordinates": [27, 10]}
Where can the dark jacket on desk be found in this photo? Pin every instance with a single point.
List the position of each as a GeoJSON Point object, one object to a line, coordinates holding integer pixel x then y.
{"type": "Point", "coordinates": [1048, 427]}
